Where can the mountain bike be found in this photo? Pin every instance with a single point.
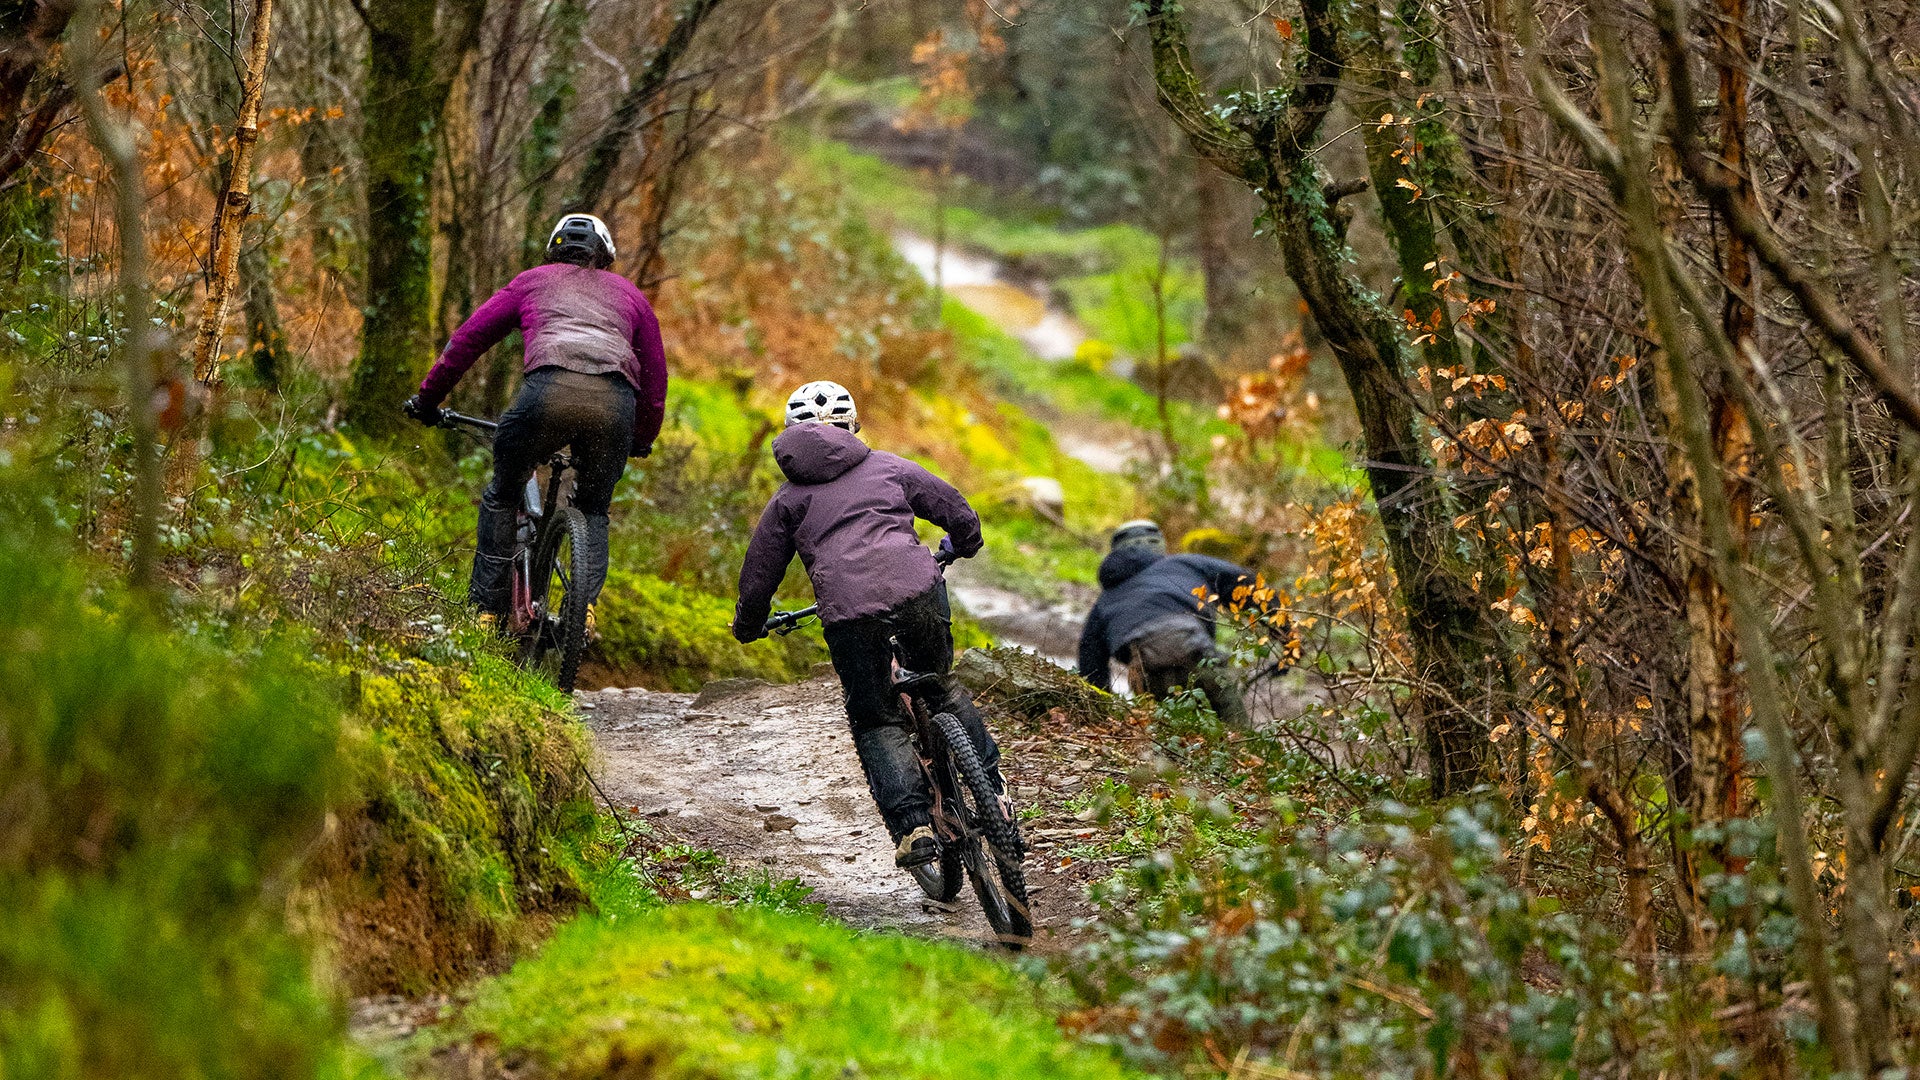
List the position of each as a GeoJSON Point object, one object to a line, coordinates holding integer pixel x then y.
{"type": "Point", "coordinates": [980, 839]}
{"type": "Point", "coordinates": [546, 614]}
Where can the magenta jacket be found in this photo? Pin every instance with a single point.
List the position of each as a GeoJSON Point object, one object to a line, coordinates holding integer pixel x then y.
{"type": "Point", "coordinates": [572, 317]}
{"type": "Point", "coordinates": [848, 512]}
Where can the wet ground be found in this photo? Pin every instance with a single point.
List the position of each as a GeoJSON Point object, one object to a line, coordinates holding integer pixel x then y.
{"type": "Point", "coordinates": [766, 776]}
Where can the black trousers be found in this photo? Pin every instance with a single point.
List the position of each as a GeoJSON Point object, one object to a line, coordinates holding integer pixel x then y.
{"type": "Point", "coordinates": [882, 728]}
{"type": "Point", "coordinates": [1178, 653]}
{"type": "Point", "coordinates": [591, 414]}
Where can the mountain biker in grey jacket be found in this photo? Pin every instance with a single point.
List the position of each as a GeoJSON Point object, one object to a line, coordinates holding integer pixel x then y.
{"type": "Point", "coordinates": [848, 512]}
{"type": "Point", "coordinates": [1152, 614]}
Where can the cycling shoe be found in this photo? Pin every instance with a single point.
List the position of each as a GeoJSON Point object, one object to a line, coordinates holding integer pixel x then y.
{"type": "Point", "coordinates": [917, 848]}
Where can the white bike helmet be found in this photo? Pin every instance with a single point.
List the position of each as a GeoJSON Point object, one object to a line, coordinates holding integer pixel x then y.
{"type": "Point", "coordinates": [823, 402]}
{"type": "Point", "coordinates": [582, 233]}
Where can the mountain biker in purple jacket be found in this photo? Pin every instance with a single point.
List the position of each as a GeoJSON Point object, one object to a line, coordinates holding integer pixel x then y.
{"type": "Point", "coordinates": [596, 381]}
{"type": "Point", "coordinates": [848, 512]}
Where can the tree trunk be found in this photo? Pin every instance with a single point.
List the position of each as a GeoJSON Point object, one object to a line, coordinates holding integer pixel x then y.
{"type": "Point", "coordinates": [230, 212]}
{"type": "Point", "coordinates": [1457, 649]}
{"type": "Point", "coordinates": [409, 75]}
{"type": "Point", "coordinates": [1229, 311]}
{"type": "Point", "coordinates": [32, 101]}
{"type": "Point", "coordinates": [630, 115]}
{"type": "Point", "coordinates": [266, 335]}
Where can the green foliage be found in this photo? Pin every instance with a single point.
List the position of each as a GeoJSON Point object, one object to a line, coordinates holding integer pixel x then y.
{"type": "Point", "coordinates": [1390, 946]}
{"type": "Point", "coordinates": [1118, 306]}
{"type": "Point", "coordinates": [680, 636]}
{"type": "Point", "coordinates": [158, 798]}
{"type": "Point", "coordinates": [697, 991]}
{"type": "Point", "coordinates": [980, 218]}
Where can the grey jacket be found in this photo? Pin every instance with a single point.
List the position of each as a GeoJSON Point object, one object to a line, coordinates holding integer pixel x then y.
{"type": "Point", "coordinates": [848, 511]}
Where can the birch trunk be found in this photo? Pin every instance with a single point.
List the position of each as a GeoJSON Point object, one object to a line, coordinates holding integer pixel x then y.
{"type": "Point", "coordinates": [231, 212]}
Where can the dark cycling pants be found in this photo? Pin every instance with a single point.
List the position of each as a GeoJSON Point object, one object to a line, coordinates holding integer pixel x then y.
{"type": "Point", "coordinates": [882, 729]}
{"type": "Point", "coordinates": [1176, 653]}
{"type": "Point", "coordinates": [593, 415]}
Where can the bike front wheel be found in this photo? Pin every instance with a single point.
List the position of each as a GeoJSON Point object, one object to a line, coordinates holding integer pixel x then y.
{"type": "Point", "coordinates": [557, 640]}
{"type": "Point", "coordinates": [992, 849]}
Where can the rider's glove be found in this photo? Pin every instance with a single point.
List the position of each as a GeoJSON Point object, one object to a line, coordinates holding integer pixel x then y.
{"type": "Point", "coordinates": [946, 554]}
{"type": "Point", "coordinates": [640, 451]}
{"type": "Point", "coordinates": [429, 415]}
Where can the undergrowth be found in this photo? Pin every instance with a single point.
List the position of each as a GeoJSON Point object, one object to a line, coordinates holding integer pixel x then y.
{"type": "Point", "coordinates": [700, 991]}
{"type": "Point", "coordinates": [158, 798]}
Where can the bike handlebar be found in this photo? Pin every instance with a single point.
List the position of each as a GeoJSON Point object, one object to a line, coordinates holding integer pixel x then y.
{"type": "Point", "coordinates": [449, 418]}
{"type": "Point", "coordinates": [786, 622]}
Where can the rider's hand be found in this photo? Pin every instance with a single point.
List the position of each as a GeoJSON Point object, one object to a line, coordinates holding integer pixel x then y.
{"type": "Point", "coordinates": [429, 415]}
{"type": "Point", "coordinates": [640, 451]}
{"type": "Point", "coordinates": [746, 635]}
{"type": "Point", "coordinates": [946, 554]}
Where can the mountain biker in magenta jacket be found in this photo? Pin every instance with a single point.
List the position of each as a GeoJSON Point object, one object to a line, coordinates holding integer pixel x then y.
{"type": "Point", "coordinates": [596, 381]}
{"type": "Point", "coordinates": [848, 512]}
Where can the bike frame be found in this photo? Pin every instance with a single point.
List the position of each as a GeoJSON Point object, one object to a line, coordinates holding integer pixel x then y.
{"type": "Point", "coordinates": [537, 507]}
{"type": "Point", "coordinates": [946, 823]}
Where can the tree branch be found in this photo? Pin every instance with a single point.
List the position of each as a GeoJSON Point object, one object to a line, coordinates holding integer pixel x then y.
{"type": "Point", "coordinates": [627, 120]}
{"type": "Point", "coordinates": [1710, 175]}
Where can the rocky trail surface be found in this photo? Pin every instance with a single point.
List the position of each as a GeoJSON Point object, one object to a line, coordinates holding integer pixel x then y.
{"type": "Point", "coordinates": [766, 775]}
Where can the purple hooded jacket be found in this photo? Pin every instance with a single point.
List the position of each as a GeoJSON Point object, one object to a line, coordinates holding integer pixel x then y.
{"type": "Point", "coordinates": [572, 317]}
{"type": "Point", "coordinates": [848, 511]}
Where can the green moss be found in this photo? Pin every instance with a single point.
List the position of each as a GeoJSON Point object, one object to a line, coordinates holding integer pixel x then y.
{"type": "Point", "coordinates": [156, 800]}
{"type": "Point", "coordinates": [678, 637]}
{"type": "Point", "coordinates": [696, 991]}
{"type": "Point", "coordinates": [470, 779]}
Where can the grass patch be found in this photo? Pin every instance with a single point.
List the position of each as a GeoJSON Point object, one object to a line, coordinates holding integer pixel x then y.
{"type": "Point", "coordinates": [470, 783]}
{"type": "Point", "coordinates": [698, 991]}
{"type": "Point", "coordinates": [976, 216]}
{"type": "Point", "coordinates": [156, 801]}
{"type": "Point", "coordinates": [679, 638]}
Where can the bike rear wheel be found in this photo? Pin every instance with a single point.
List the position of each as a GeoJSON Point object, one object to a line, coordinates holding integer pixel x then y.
{"type": "Point", "coordinates": [992, 850]}
{"type": "Point", "coordinates": [558, 637]}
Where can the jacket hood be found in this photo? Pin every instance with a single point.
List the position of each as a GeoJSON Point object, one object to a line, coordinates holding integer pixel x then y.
{"type": "Point", "coordinates": [1120, 565]}
{"type": "Point", "coordinates": [817, 453]}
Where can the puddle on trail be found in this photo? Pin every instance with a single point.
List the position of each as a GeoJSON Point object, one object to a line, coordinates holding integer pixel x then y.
{"type": "Point", "coordinates": [979, 282]}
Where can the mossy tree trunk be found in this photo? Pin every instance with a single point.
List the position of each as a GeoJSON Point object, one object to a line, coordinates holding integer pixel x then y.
{"type": "Point", "coordinates": [414, 52]}
{"type": "Point", "coordinates": [1265, 141]}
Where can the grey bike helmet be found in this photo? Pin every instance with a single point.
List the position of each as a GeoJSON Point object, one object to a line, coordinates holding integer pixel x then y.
{"type": "Point", "coordinates": [1141, 534]}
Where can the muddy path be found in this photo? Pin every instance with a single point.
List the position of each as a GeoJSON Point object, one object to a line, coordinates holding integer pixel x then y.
{"type": "Point", "coordinates": [766, 776]}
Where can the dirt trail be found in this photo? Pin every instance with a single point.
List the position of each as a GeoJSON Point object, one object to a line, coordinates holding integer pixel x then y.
{"type": "Point", "coordinates": [766, 775]}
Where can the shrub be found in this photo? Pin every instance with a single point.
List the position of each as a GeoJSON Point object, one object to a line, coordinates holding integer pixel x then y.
{"type": "Point", "coordinates": [156, 798]}
{"type": "Point", "coordinates": [1392, 947]}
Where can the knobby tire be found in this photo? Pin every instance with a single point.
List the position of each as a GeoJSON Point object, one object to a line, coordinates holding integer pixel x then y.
{"type": "Point", "coordinates": [998, 878]}
{"type": "Point", "coordinates": [563, 632]}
